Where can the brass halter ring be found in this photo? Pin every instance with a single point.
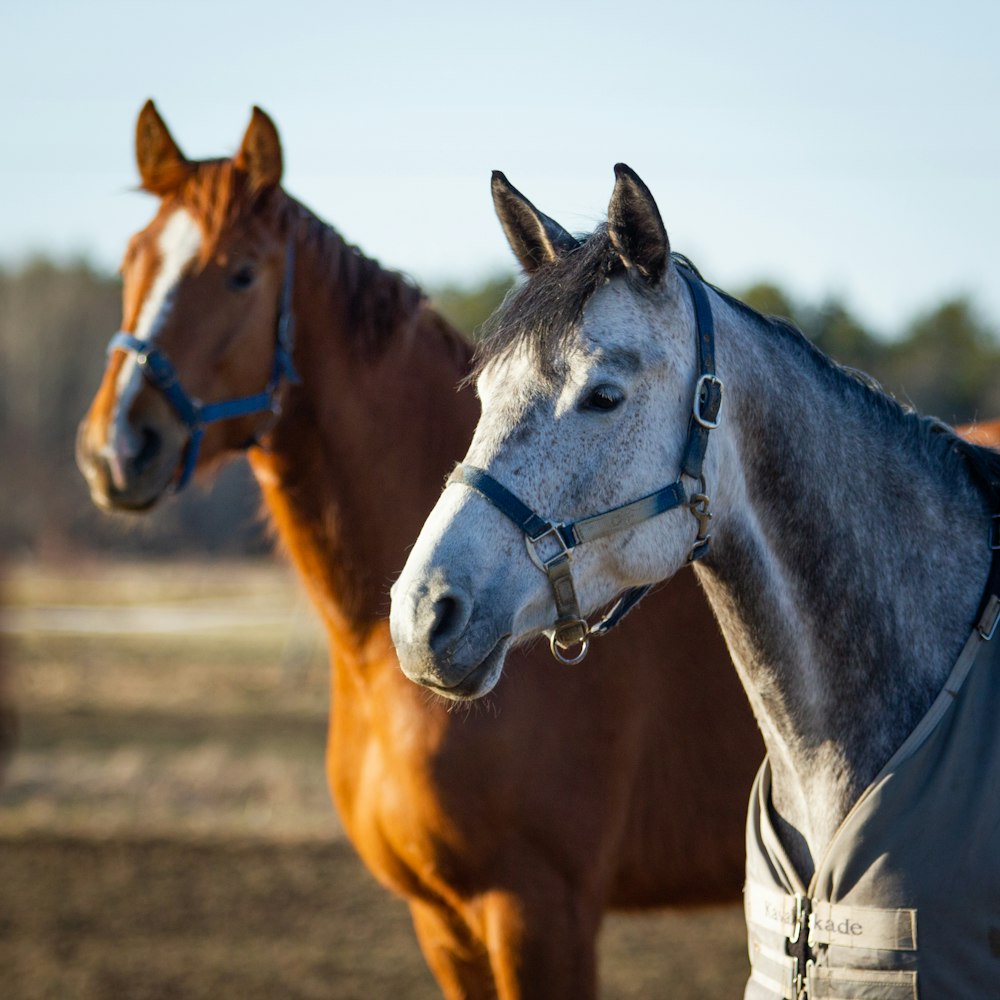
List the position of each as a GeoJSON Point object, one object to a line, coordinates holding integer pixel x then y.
{"type": "Point", "coordinates": [584, 643]}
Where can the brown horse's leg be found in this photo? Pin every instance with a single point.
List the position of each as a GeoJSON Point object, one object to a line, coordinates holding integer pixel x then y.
{"type": "Point", "coordinates": [459, 962]}
{"type": "Point", "coordinates": [542, 941]}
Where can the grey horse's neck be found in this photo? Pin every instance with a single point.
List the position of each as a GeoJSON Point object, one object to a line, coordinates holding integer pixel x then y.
{"type": "Point", "coordinates": [849, 559]}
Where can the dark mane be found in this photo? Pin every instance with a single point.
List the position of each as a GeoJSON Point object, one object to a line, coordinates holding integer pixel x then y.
{"type": "Point", "coordinates": [928, 434]}
{"type": "Point", "coordinates": [541, 315]}
{"type": "Point", "coordinates": [376, 300]}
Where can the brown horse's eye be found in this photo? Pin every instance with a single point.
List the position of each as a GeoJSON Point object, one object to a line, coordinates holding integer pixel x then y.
{"type": "Point", "coordinates": [242, 278]}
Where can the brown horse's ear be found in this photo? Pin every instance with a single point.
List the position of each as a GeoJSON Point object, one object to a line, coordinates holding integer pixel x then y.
{"type": "Point", "coordinates": [634, 226]}
{"type": "Point", "coordinates": [533, 236]}
{"type": "Point", "coordinates": [162, 165]}
{"type": "Point", "coordinates": [260, 153]}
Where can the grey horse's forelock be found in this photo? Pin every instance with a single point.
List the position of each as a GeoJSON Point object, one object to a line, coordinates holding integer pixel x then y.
{"type": "Point", "coordinates": [542, 313]}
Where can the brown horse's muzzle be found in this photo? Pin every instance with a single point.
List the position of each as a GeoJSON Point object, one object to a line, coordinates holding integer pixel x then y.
{"type": "Point", "coordinates": [130, 456]}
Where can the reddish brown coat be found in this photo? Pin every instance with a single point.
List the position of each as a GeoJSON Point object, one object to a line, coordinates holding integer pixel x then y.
{"type": "Point", "coordinates": [509, 828]}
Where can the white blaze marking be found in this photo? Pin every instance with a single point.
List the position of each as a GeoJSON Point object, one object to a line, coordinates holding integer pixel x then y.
{"type": "Point", "coordinates": [178, 243]}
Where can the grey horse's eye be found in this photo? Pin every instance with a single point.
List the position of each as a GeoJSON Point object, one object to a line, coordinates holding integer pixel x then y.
{"type": "Point", "coordinates": [603, 398]}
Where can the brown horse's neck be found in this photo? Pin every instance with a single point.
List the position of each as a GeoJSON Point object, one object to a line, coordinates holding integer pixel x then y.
{"type": "Point", "coordinates": [359, 455]}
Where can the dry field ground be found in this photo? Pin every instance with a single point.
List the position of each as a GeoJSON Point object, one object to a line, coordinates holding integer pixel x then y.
{"type": "Point", "coordinates": [165, 830]}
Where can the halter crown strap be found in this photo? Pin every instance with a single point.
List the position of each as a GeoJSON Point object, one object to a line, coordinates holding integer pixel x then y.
{"type": "Point", "coordinates": [284, 366]}
{"type": "Point", "coordinates": [158, 370]}
{"type": "Point", "coordinates": [708, 390]}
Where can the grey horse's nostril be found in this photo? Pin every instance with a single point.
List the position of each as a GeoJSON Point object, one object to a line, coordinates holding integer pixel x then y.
{"type": "Point", "coordinates": [449, 617]}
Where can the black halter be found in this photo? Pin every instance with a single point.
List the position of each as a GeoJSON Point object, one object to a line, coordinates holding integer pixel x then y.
{"type": "Point", "coordinates": [571, 629]}
{"type": "Point", "coordinates": [157, 370]}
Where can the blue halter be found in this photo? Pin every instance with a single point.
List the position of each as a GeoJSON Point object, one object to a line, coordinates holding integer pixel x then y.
{"type": "Point", "coordinates": [157, 369]}
{"type": "Point", "coordinates": [571, 629]}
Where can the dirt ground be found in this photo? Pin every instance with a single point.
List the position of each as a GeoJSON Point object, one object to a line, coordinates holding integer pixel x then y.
{"type": "Point", "coordinates": [163, 919]}
{"type": "Point", "coordinates": [165, 830]}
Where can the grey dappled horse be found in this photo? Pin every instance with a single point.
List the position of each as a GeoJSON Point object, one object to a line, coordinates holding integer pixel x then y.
{"type": "Point", "coordinates": [850, 546]}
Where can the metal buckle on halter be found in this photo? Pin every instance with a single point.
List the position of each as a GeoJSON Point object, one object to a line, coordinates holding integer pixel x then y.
{"type": "Point", "coordinates": [164, 373]}
{"type": "Point", "coordinates": [149, 371]}
{"type": "Point", "coordinates": [709, 422]}
{"type": "Point", "coordinates": [698, 505]}
{"type": "Point", "coordinates": [564, 550]}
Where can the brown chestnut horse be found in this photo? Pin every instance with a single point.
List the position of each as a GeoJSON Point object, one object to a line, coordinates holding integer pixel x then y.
{"type": "Point", "coordinates": [619, 783]}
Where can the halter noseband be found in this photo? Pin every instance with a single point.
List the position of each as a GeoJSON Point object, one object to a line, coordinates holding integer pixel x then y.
{"type": "Point", "coordinates": [157, 369]}
{"type": "Point", "coordinates": [571, 629]}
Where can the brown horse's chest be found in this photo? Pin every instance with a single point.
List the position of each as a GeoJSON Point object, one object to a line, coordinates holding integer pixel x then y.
{"type": "Point", "coordinates": [388, 804]}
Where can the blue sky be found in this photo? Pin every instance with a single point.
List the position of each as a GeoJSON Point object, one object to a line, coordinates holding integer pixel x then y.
{"type": "Point", "coordinates": [841, 148]}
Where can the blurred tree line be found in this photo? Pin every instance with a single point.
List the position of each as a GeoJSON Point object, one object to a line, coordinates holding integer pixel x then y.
{"type": "Point", "coordinates": [56, 319]}
{"type": "Point", "coordinates": [946, 362]}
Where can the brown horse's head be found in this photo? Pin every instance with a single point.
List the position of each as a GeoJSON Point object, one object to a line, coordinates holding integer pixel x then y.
{"type": "Point", "coordinates": [203, 286]}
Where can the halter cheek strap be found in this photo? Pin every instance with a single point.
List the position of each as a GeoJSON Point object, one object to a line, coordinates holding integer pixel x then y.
{"type": "Point", "coordinates": [157, 369]}
{"type": "Point", "coordinates": [561, 537]}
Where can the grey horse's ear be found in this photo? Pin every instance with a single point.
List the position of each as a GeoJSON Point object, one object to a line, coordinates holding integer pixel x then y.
{"type": "Point", "coordinates": [533, 236]}
{"type": "Point", "coordinates": [635, 228]}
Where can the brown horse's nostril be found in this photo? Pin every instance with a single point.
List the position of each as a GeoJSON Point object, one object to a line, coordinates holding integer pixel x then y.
{"type": "Point", "coordinates": [149, 449]}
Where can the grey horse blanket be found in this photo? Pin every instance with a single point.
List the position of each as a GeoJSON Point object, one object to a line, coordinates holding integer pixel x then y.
{"type": "Point", "coordinates": [905, 902]}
